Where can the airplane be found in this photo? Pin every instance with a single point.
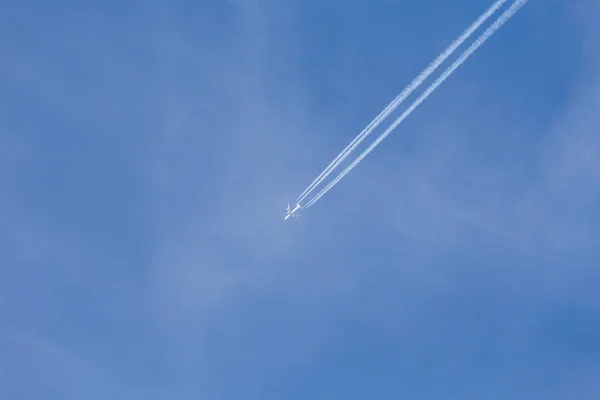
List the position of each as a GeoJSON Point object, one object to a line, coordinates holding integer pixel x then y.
{"type": "Point", "coordinates": [290, 212]}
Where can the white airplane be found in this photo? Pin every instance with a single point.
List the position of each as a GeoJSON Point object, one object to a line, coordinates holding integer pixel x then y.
{"type": "Point", "coordinates": [290, 212]}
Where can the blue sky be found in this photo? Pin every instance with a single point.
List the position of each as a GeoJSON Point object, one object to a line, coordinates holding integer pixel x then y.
{"type": "Point", "coordinates": [148, 149]}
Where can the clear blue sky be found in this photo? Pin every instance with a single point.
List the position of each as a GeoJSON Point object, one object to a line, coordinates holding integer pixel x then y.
{"type": "Point", "coordinates": [148, 150]}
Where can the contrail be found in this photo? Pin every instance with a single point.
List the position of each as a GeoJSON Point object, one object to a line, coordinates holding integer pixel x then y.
{"type": "Point", "coordinates": [464, 56]}
{"type": "Point", "coordinates": [401, 97]}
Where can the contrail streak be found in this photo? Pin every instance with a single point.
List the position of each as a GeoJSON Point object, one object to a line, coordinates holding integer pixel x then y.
{"type": "Point", "coordinates": [401, 97]}
{"type": "Point", "coordinates": [464, 56]}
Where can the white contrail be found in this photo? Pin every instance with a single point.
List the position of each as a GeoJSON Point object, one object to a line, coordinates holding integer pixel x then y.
{"type": "Point", "coordinates": [466, 54]}
{"type": "Point", "coordinates": [401, 97]}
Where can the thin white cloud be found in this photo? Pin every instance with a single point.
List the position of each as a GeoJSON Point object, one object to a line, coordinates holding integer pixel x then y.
{"type": "Point", "coordinates": [224, 151]}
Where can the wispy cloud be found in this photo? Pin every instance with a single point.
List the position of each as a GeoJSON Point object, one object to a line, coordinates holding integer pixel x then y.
{"type": "Point", "coordinates": [160, 249]}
